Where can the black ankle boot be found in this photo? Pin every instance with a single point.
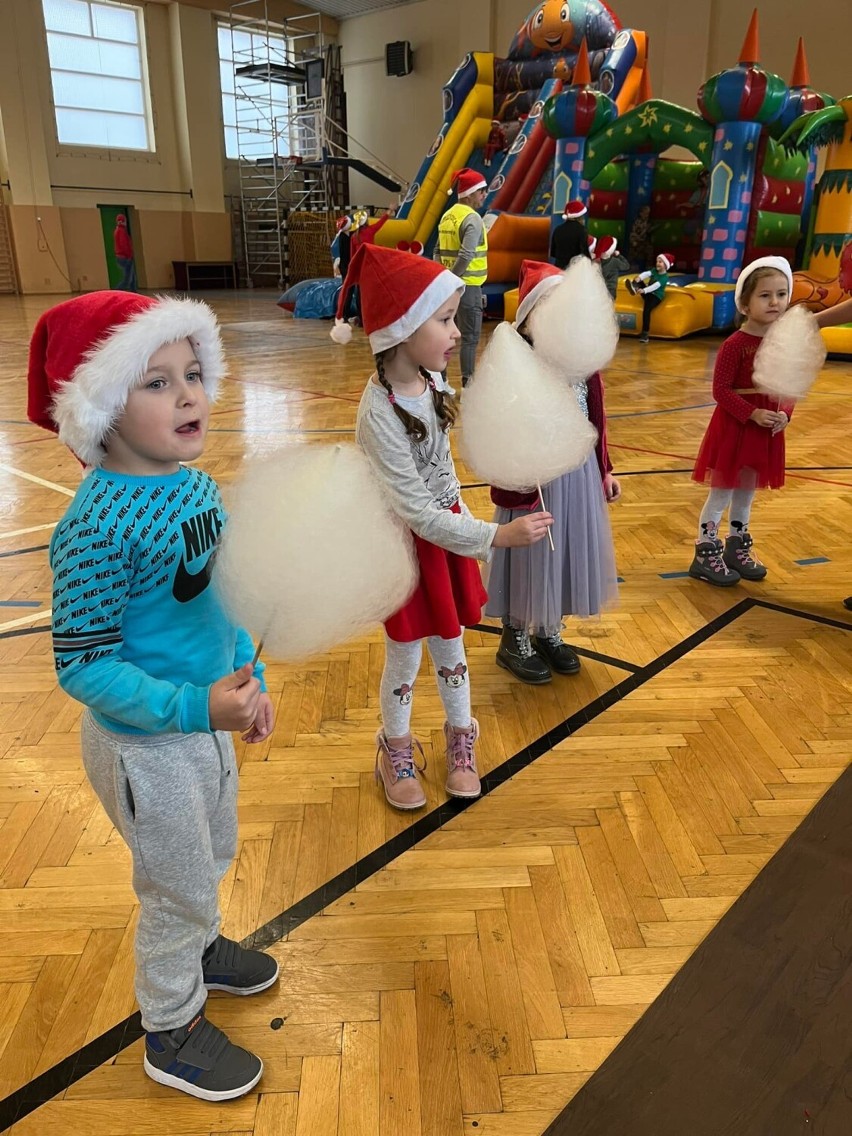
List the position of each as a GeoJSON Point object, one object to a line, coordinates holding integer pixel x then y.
{"type": "Point", "coordinates": [516, 655]}
{"type": "Point", "coordinates": [558, 655]}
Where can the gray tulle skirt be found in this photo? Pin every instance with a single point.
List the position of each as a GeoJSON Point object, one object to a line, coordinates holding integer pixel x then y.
{"type": "Point", "coordinates": [534, 587]}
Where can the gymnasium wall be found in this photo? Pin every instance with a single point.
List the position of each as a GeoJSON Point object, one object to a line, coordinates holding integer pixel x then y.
{"type": "Point", "coordinates": [53, 191]}
{"type": "Point", "coordinates": [689, 41]}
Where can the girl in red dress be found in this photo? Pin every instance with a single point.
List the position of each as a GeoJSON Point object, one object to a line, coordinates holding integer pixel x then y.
{"type": "Point", "coordinates": [743, 449]}
{"type": "Point", "coordinates": [403, 421]}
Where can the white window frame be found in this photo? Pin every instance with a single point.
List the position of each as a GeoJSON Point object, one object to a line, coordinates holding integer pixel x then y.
{"type": "Point", "coordinates": [80, 148]}
{"type": "Point", "coordinates": [225, 28]}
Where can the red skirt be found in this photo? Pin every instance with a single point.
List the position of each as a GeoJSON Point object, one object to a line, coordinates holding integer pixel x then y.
{"type": "Point", "coordinates": [449, 596]}
{"type": "Point", "coordinates": [741, 455]}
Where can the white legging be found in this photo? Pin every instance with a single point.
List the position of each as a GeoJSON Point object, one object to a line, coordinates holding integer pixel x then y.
{"type": "Point", "coordinates": [402, 663]}
{"type": "Point", "coordinates": [737, 501]}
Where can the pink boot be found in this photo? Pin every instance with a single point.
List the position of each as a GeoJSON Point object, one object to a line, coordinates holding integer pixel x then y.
{"type": "Point", "coordinates": [398, 771]}
{"type": "Point", "coordinates": [462, 777]}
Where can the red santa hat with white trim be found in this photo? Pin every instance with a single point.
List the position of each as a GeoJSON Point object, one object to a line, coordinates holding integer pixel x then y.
{"type": "Point", "coordinates": [399, 292]}
{"type": "Point", "coordinates": [574, 210]}
{"type": "Point", "coordinates": [88, 353]}
{"type": "Point", "coordinates": [606, 247]}
{"type": "Point", "coordinates": [667, 257]}
{"type": "Point", "coordinates": [465, 182]}
{"type": "Point", "coordinates": [536, 280]}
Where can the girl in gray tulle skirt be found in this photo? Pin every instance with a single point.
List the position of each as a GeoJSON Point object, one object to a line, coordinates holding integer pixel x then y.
{"type": "Point", "coordinates": [531, 589]}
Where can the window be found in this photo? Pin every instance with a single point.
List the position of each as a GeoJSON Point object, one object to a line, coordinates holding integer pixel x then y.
{"type": "Point", "coordinates": [254, 110]}
{"type": "Point", "coordinates": [96, 69]}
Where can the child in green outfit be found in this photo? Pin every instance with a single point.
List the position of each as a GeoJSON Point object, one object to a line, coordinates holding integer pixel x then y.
{"type": "Point", "coordinates": [653, 292]}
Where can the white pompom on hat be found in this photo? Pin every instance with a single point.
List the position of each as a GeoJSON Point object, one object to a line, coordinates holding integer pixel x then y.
{"type": "Point", "coordinates": [87, 354]}
{"type": "Point", "coordinates": [779, 263]}
{"type": "Point", "coordinates": [399, 292]}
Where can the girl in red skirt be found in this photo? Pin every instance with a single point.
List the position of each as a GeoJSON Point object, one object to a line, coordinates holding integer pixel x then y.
{"type": "Point", "coordinates": [408, 304]}
{"type": "Point", "coordinates": [743, 449]}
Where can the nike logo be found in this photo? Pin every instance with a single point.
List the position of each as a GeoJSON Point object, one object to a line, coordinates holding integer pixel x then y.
{"type": "Point", "coordinates": [188, 585]}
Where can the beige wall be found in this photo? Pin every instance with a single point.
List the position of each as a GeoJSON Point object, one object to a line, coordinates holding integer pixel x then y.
{"type": "Point", "coordinates": [689, 41]}
{"type": "Point", "coordinates": [64, 185]}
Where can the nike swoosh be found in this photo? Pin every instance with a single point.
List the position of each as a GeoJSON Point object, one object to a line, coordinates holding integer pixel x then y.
{"type": "Point", "coordinates": [189, 585]}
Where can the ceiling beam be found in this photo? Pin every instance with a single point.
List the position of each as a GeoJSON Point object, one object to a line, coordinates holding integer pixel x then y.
{"type": "Point", "coordinates": [279, 10]}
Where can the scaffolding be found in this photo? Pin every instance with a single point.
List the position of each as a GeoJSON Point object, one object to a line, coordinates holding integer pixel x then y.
{"type": "Point", "coordinates": [291, 133]}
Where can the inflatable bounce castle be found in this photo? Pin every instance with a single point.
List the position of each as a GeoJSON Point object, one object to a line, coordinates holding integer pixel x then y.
{"type": "Point", "coordinates": [569, 114]}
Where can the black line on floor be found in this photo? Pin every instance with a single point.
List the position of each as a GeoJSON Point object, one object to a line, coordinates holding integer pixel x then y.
{"type": "Point", "coordinates": [842, 625]}
{"type": "Point", "coordinates": [21, 551]}
{"type": "Point", "coordinates": [24, 631]}
{"type": "Point", "coordinates": [609, 660]}
{"type": "Point", "coordinates": [109, 1044]}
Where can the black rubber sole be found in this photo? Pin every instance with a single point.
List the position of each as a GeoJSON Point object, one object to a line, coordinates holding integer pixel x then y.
{"type": "Point", "coordinates": [714, 583]}
{"type": "Point", "coordinates": [529, 680]}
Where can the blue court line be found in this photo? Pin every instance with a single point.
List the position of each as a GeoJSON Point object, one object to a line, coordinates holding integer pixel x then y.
{"type": "Point", "coordinates": [20, 603]}
{"type": "Point", "coordinates": [813, 560]}
{"type": "Point", "coordinates": [673, 575]}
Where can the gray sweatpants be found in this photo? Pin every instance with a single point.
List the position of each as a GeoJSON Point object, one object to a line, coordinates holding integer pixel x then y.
{"type": "Point", "coordinates": [469, 323]}
{"type": "Point", "coordinates": [173, 798]}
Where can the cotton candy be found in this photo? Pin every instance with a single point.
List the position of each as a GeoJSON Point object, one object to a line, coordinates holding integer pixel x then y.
{"type": "Point", "coordinates": [791, 355]}
{"type": "Point", "coordinates": [574, 326]}
{"type": "Point", "coordinates": [521, 424]}
{"type": "Point", "coordinates": [311, 555]}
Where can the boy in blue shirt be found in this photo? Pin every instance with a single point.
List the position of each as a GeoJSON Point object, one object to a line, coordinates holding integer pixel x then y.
{"type": "Point", "coordinates": [141, 640]}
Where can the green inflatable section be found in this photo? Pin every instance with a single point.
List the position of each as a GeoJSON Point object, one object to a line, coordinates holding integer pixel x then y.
{"type": "Point", "coordinates": [657, 125]}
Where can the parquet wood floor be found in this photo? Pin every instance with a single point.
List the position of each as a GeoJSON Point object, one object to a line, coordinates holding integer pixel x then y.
{"type": "Point", "coordinates": [471, 983]}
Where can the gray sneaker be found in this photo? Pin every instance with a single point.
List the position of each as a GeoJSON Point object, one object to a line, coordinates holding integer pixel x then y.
{"type": "Point", "coordinates": [198, 1059]}
{"type": "Point", "coordinates": [228, 966]}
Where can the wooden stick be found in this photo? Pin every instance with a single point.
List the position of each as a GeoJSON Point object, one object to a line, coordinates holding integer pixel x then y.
{"type": "Point", "coordinates": [257, 653]}
{"type": "Point", "coordinates": [544, 510]}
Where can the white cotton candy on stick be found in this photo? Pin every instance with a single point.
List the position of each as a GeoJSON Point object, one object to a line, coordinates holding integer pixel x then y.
{"type": "Point", "coordinates": [573, 326]}
{"type": "Point", "coordinates": [312, 555]}
{"type": "Point", "coordinates": [521, 424]}
{"type": "Point", "coordinates": [791, 355]}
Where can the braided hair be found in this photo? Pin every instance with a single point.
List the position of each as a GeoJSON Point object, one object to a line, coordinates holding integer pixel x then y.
{"type": "Point", "coordinates": [445, 407]}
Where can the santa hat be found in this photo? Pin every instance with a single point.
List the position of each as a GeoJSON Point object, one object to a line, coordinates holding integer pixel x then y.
{"type": "Point", "coordinates": [574, 210]}
{"type": "Point", "coordinates": [88, 353]}
{"type": "Point", "coordinates": [399, 292]}
{"type": "Point", "coordinates": [536, 279]}
{"type": "Point", "coordinates": [121, 219]}
{"type": "Point", "coordinates": [606, 247]}
{"type": "Point", "coordinates": [592, 243]}
{"type": "Point", "coordinates": [465, 182]}
{"type": "Point", "coordinates": [779, 263]}
{"type": "Point", "coordinates": [344, 224]}
{"type": "Point", "coordinates": [667, 258]}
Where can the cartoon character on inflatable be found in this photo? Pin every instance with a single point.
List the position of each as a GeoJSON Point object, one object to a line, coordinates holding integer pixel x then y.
{"type": "Point", "coordinates": [818, 293]}
{"type": "Point", "coordinates": [557, 25]}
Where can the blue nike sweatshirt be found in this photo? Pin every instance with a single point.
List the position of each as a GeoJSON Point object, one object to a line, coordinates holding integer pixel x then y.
{"type": "Point", "coordinates": [139, 635]}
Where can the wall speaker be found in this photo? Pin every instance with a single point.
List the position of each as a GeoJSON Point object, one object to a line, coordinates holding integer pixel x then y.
{"type": "Point", "coordinates": [398, 58]}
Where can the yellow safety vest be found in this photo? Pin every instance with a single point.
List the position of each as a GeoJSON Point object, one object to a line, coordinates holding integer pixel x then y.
{"type": "Point", "coordinates": [449, 245]}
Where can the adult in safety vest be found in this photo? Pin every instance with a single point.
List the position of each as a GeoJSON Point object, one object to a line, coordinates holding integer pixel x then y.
{"type": "Point", "coordinates": [463, 248]}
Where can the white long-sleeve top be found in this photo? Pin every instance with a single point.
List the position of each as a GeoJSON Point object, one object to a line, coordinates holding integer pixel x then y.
{"type": "Point", "coordinates": [419, 477]}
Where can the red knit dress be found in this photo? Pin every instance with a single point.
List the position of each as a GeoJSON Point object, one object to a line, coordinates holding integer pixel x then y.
{"type": "Point", "coordinates": [736, 453]}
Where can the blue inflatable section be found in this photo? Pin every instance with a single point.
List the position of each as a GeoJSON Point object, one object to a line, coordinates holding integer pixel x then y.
{"type": "Point", "coordinates": [312, 299]}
